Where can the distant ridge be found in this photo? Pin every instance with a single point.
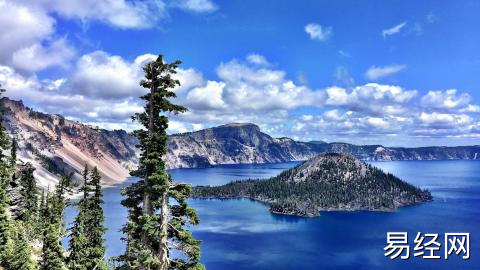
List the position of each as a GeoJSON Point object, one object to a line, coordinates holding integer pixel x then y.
{"type": "Point", "coordinates": [55, 145]}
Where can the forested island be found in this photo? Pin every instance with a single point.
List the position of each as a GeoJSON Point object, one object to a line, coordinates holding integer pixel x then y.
{"type": "Point", "coordinates": [330, 181]}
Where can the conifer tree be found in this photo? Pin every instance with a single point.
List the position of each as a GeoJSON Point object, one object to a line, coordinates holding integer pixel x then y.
{"type": "Point", "coordinates": [95, 227]}
{"type": "Point", "coordinates": [13, 162]}
{"type": "Point", "coordinates": [53, 257]}
{"type": "Point", "coordinates": [22, 250]}
{"type": "Point", "coordinates": [5, 223]}
{"type": "Point", "coordinates": [86, 237]}
{"type": "Point", "coordinates": [154, 226]}
{"type": "Point", "coordinates": [28, 204]}
{"type": "Point", "coordinates": [78, 252]}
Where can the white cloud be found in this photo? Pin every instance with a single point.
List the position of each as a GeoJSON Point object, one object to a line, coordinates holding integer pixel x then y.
{"type": "Point", "coordinates": [375, 73]}
{"type": "Point", "coordinates": [393, 30]}
{"type": "Point", "coordinates": [198, 6]}
{"type": "Point", "coordinates": [118, 13]}
{"type": "Point", "coordinates": [337, 96]}
{"type": "Point", "coordinates": [372, 97]}
{"type": "Point", "coordinates": [22, 27]}
{"type": "Point", "coordinates": [189, 78]}
{"type": "Point", "coordinates": [38, 57]}
{"type": "Point", "coordinates": [254, 88]}
{"type": "Point", "coordinates": [101, 75]}
{"type": "Point", "coordinates": [208, 97]}
{"type": "Point", "coordinates": [444, 120]}
{"type": "Point", "coordinates": [449, 100]}
{"type": "Point", "coordinates": [333, 115]}
{"type": "Point", "coordinates": [319, 32]}
{"type": "Point", "coordinates": [257, 59]}
{"type": "Point", "coordinates": [377, 122]}
{"type": "Point", "coordinates": [27, 39]}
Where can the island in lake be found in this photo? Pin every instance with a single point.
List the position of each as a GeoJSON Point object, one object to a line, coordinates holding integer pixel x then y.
{"type": "Point", "coordinates": [331, 181]}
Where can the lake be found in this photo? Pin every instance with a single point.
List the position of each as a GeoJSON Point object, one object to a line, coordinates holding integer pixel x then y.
{"type": "Point", "coordinates": [243, 234]}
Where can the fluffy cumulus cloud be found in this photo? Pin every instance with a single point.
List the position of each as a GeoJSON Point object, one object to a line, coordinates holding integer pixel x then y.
{"type": "Point", "coordinates": [374, 73]}
{"type": "Point", "coordinates": [257, 88]}
{"type": "Point", "coordinates": [319, 32]}
{"type": "Point", "coordinates": [371, 98]}
{"type": "Point", "coordinates": [27, 40]}
{"type": "Point", "coordinates": [100, 75]}
{"type": "Point", "coordinates": [118, 13]}
{"type": "Point", "coordinates": [449, 100]}
{"type": "Point", "coordinates": [38, 56]}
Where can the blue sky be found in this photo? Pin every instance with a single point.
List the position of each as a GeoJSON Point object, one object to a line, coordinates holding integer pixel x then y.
{"type": "Point", "coordinates": [401, 73]}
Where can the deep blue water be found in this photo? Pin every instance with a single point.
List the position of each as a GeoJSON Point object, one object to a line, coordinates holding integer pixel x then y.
{"type": "Point", "coordinates": [243, 234]}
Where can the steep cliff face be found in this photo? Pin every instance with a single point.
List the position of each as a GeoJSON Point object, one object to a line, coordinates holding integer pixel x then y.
{"type": "Point", "coordinates": [227, 144]}
{"type": "Point", "coordinates": [55, 145]}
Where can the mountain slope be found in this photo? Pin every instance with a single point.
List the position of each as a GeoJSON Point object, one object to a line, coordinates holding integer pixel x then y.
{"type": "Point", "coordinates": [326, 182]}
{"type": "Point", "coordinates": [55, 145]}
{"type": "Point", "coordinates": [233, 144]}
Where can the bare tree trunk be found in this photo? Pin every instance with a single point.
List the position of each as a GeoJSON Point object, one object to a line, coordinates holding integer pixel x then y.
{"type": "Point", "coordinates": [163, 244]}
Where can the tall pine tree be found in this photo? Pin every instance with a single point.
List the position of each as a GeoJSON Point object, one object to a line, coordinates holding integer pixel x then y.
{"type": "Point", "coordinates": [53, 254]}
{"type": "Point", "coordinates": [86, 238]}
{"type": "Point", "coordinates": [5, 223]}
{"type": "Point", "coordinates": [95, 228]}
{"type": "Point", "coordinates": [155, 226]}
{"type": "Point", "coordinates": [22, 250]}
{"type": "Point", "coordinates": [78, 252]}
{"type": "Point", "coordinates": [29, 196]}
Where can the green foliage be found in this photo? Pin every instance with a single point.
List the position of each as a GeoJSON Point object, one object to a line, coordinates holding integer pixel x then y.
{"type": "Point", "coordinates": [22, 250]}
{"type": "Point", "coordinates": [95, 228]}
{"type": "Point", "coordinates": [86, 235]}
{"type": "Point", "coordinates": [78, 251]}
{"type": "Point", "coordinates": [5, 223]}
{"type": "Point", "coordinates": [155, 226]}
{"type": "Point", "coordinates": [29, 197]}
{"type": "Point", "coordinates": [53, 257]}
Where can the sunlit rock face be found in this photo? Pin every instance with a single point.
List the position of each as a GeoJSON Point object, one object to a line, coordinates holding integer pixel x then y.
{"type": "Point", "coordinates": [55, 145]}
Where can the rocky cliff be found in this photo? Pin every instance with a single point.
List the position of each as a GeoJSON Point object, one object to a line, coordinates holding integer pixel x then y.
{"type": "Point", "coordinates": [245, 143]}
{"type": "Point", "coordinates": [56, 145]}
